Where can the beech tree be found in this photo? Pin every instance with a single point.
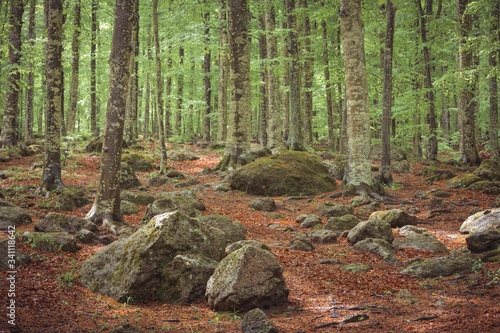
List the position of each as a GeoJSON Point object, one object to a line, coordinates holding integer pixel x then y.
{"type": "Point", "coordinates": [223, 72]}
{"type": "Point", "coordinates": [75, 50]}
{"type": "Point", "coordinates": [106, 207]}
{"type": "Point", "coordinates": [28, 116]}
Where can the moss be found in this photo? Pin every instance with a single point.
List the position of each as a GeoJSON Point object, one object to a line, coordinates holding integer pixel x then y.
{"type": "Point", "coordinates": [462, 181]}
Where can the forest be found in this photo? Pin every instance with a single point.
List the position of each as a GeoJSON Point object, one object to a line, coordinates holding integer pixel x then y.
{"type": "Point", "coordinates": [289, 127]}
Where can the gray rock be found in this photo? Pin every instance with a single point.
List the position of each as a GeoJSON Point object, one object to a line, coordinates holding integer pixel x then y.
{"type": "Point", "coordinates": [488, 170]}
{"type": "Point", "coordinates": [379, 247]}
{"type": "Point", "coordinates": [246, 279]}
{"type": "Point", "coordinates": [356, 268]}
{"type": "Point", "coordinates": [322, 236]}
{"type": "Point", "coordinates": [374, 228]}
{"type": "Point", "coordinates": [189, 273]}
{"type": "Point", "coordinates": [337, 168]}
{"type": "Point", "coordinates": [400, 166]}
{"type": "Point", "coordinates": [247, 242]}
{"type": "Point", "coordinates": [224, 187]}
{"type": "Point", "coordinates": [311, 221]}
{"type": "Point", "coordinates": [360, 200]}
{"type": "Point", "coordinates": [128, 179]}
{"type": "Point", "coordinates": [301, 218]}
{"type": "Point", "coordinates": [7, 248]}
{"type": "Point", "coordinates": [256, 321]}
{"type": "Point", "coordinates": [128, 208]}
{"type": "Point", "coordinates": [412, 231]}
{"type": "Point", "coordinates": [234, 230]}
{"type": "Point", "coordinates": [301, 242]}
{"type": "Point", "coordinates": [420, 194]}
{"type": "Point", "coordinates": [187, 183]}
{"type": "Point", "coordinates": [137, 265]}
{"type": "Point", "coordinates": [462, 181]}
{"type": "Point", "coordinates": [171, 204]}
{"type": "Point", "coordinates": [481, 221]}
{"type": "Point", "coordinates": [138, 198]}
{"type": "Point", "coordinates": [441, 267]}
{"type": "Point", "coordinates": [340, 224]}
{"type": "Point", "coordinates": [189, 194]}
{"type": "Point", "coordinates": [159, 180]}
{"type": "Point", "coordinates": [85, 236]}
{"type": "Point", "coordinates": [51, 241]}
{"type": "Point", "coordinates": [56, 222]}
{"type": "Point", "coordinates": [12, 216]}
{"type": "Point", "coordinates": [330, 209]}
{"type": "Point", "coordinates": [421, 243]}
{"type": "Point", "coordinates": [395, 217]}
{"type": "Point", "coordinates": [483, 241]}
{"type": "Point", "coordinates": [263, 204]}
{"type": "Point", "coordinates": [441, 194]}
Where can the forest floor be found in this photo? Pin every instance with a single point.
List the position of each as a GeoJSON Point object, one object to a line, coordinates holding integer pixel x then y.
{"type": "Point", "coordinates": [50, 299]}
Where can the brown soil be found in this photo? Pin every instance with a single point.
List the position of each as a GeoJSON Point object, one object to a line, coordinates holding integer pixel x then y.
{"type": "Point", "coordinates": [320, 295]}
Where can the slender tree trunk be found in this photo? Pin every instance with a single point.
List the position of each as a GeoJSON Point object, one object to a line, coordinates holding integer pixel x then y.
{"type": "Point", "coordinates": [168, 93]}
{"type": "Point", "coordinates": [494, 154]}
{"type": "Point", "coordinates": [470, 155]}
{"type": "Point", "coordinates": [180, 87]}
{"type": "Point", "coordinates": [130, 132]}
{"type": "Point", "coordinates": [159, 92]}
{"type": "Point", "coordinates": [8, 133]}
{"type": "Point", "coordinates": [51, 178]}
{"type": "Point", "coordinates": [93, 65]}
{"type": "Point", "coordinates": [223, 72]}
{"type": "Point", "coordinates": [264, 83]}
{"type": "Point", "coordinates": [106, 208]}
{"type": "Point", "coordinates": [385, 175]}
{"type": "Point", "coordinates": [308, 79]}
{"type": "Point", "coordinates": [342, 108]}
{"type": "Point", "coordinates": [135, 92]}
{"type": "Point", "coordinates": [358, 175]}
{"type": "Point", "coordinates": [328, 86]}
{"type": "Point", "coordinates": [238, 138]}
{"type": "Point", "coordinates": [28, 120]}
{"type": "Point", "coordinates": [285, 94]}
{"type": "Point", "coordinates": [206, 80]}
{"type": "Point", "coordinates": [148, 88]}
{"type": "Point", "coordinates": [75, 50]}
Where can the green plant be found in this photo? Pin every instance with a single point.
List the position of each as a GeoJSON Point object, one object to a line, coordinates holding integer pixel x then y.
{"type": "Point", "coordinates": [66, 280]}
{"type": "Point", "coordinates": [477, 266]}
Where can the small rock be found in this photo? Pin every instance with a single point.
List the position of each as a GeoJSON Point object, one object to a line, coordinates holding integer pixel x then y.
{"type": "Point", "coordinates": [356, 268]}
{"type": "Point", "coordinates": [263, 204]}
{"type": "Point", "coordinates": [322, 236]}
{"type": "Point", "coordinates": [311, 221]}
{"type": "Point", "coordinates": [301, 242]}
{"type": "Point", "coordinates": [256, 321]}
{"type": "Point", "coordinates": [483, 241]}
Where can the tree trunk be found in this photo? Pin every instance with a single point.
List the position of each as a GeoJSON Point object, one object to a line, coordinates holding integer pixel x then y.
{"type": "Point", "coordinates": [264, 82]}
{"type": "Point", "coordinates": [206, 80]}
{"type": "Point", "coordinates": [285, 94]}
{"type": "Point", "coordinates": [28, 120]}
{"type": "Point", "coordinates": [358, 175]}
{"type": "Point", "coordinates": [106, 208]}
{"type": "Point", "coordinates": [342, 108]}
{"type": "Point", "coordinates": [93, 65]}
{"type": "Point", "coordinates": [238, 137]}
{"type": "Point", "coordinates": [131, 110]}
{"type": "Point", "coordinates": [328, 86]}
{"type": "Point", "coordinates": [159, 92]}
{"type": "Point", "coordinates": [494, 154]}
{"type": "Point", "coordinates": [223, 72]}
{"type": "Point", "coordinates": [308, 79]}
{"type": "Point", "coordinates": [470, 155]}
{"type": "Point", "coordinates": [385, 174]}
{"type": "Point", "coordinates": [51, 177]}
{"type": "Point", "coordinates": [180, 87]}
{"type": "Point", "coordinates": [75, 50]}
{"type": "Point", "coordinates": [8, 133]}
{"type": "Point", "coordinates": [295, 139]}
{"type": "Point", "coordinates": [148, 89]}
{"type": "Point", "coordinates": [430, 119]}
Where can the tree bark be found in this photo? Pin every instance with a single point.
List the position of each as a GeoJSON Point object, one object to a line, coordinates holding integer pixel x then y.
{"type": "Point", "coordinates": [51, 177]}
{"type": "Point", "coordinates": [206, 80]}
{"type": "Point", "coordinates": [385, 174]}
{"type": "Point", "coordinates": [493, 85]}
{"type": "Point", "coordinates": [8, 133]}
{"type": "Point", "coordinates": [148, 89]}
{"type": "Point", "coordinates": [106, 208]}
{"type": "Point", "coordinates": [130, 131]}
{"type": "Point", "coordinates": [285, 93]}
{"type": "Point", "coordinates": [93, 65]}
{"type": "Point", "coordinates": [75, 50]}
{"type": "Point", "coordinates": [223, 72]}
{"type": "Point", "coordinates": [238, 138]}
{"type": "Point", "coordinates": [328, 86]}
{"type": "Point", "coordinates": [308, 78]}
{"type": "Point", "coordinates": [470, 155]}
{"type": "Point", "coordinates": [264, 82]}
{"type": "Point", "coordinates": [180, 87]}
{"type": "Point", "coordinates": [28, 120]}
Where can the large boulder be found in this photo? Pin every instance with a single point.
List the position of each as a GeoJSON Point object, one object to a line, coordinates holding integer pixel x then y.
{"type": "Point", "coordinates": [128, 179]}
{"type": "Point", "coordinates": [425, 243]}
{"type": "Point", "coordinates": [374, 228]}
{"type": "Point", "coordinates": [285, 173]}
{"type": "Point", "coordinates": [128, 208]}
{"type": "Point", "coordinates": [341, 224]}
{"type": "Point", "coordinates": [56, 222]}
{"type": "Point", "coordinates": [139, 264]}
{"type": "Point", "coordinates": [301, 242]}
{"type": "Point", "coordinates": [488, 170]}
{"type": "Point", "coordinates": [462, 181]}
{"type": "Point", "coordinates": [234, 230]}
{"type": "Point", "coordinates": [446, 266]}
{"type": "Point", "coordinates": [379, 247]}
{"type": "Point", "coordinates": [70, 198]}
{"type": "Point", "coordinates": [180, 156]}
{"type": "Point", "coordinates": [138, 198]}
{"type": "Point", "coordinates": [331, 209]}
{"type": "Point", "coordinates": [263, 204]}
{"type": "Point", "coordinates": [190, 207]}
{"type": "Point", "coordinates": [8, 252]}
{"type": "Point", "coordinates": [395, 217]}
{"type": "Point", "coordinates": [12, 216]}
{"type": "Point", "coordinates": [239, 244]}
{"type": "Point", "coordinates": [51, 241]}
{"type": "Point", "coordinates": [486, 186]}
{"type": "Point", "coordinates": [484, 220]}
{"type": "Point", "coordinates": [256, 321]}
{"type": "Point", "coordinates": [246, 279]}
{"type": "Point", "coordinates": [413, 231]}
{"type": "Point", "coordinates": [322, 236]}
{"type": "Point", "coordinates": [138, 162]}
{"type": "Point", "coordinates": [483, 241]}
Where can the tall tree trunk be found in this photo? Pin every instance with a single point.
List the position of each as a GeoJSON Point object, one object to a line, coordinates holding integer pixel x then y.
{"type": "Point", "coordinates": [385, 174]}
{"type": "Point", "coordinates": [358, 175]}
{"type": "Point", "coordinates": [295, 139]}
{"type": "Point", "coordinates": [430, 119]}
{"type": "Point", "coordinates": [93, 65]}
{"type": "Point", "coordinates": [285, 93]}
{"type": "Point", "coordinates": [264, 83]}
{"type": "Point", "coordinates": [274, 128]}
{"type": "Point", "coordinates": [51, 177]}
{"type": "Point", "coordinates": [8, 133]}
{"type": "Point", "coordinates": [342, 108]}
{"type": "Point", "coordinates": [328, 86]}
{"type": "Point", "coordinates": [130, 130]}
{"type": "Point", "coordinates": [106, 208]}
{"type": "Point", "coordinates": [180, 87]}
{"type": "Point", "coordinates": [135, 92]}
{"type": "Point", "coordinates": [470, 155]}
{"type": "Point", "coordinates": [308, 78]}
{"type": "Point", "coordinates": [28, 120]}
{"type": "Point", "coordinates": [159, 92]}
{"type": "Point", "coordinates": [148, 88]}
{"type": "Point", "coordinates": [494, 154]}
{"type": "Point", "coordinates": [223, 72]}
{"type": "Point", "coordinates": [75, 50]}
{"type": "Point", "coordinates": [238, 136]}
{"type": "Point", "coordinates": [206, 80]}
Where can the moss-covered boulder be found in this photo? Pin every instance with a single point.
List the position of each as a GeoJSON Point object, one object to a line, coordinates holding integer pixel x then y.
{"type": "Point", "coordinates": [138, 162]}
{"type": "Point", "coordinates": [179, 156]}
{"type": "Point", "coordinates": [256, 321]}
{"type": "Point", "coordinates": [374, 228]}
{"type": "Point", "coordinates": [190, 207]}
{"type": "Point", "coordinates": [432, 174]}
{"type": "Point", "coordinates": [51, 241]}
{"type": "Point", "coordinates": [331, 209]}
{"type": "Point", "coordinates": [7, 246]}
{"type": "Point", "coordinates": [462, 181]}
{"type": "Point", "coordinates": [486, 186]}
{"type": "Point", "coordinates": [379, 247]}
{"type": "Point", "coordinates": [341, 224]}
{"type": "Point", "coordinates": [247, 278]}
{"type": "Point", "coordinates": [12, 216]}
{"type": "Point", "coordinates": [421, 243]}
{"type": "Point", "coordinates": [395, 217]}
{"type": "Point", "coordinates": [488, 170]}
{"type": "Point", "coordinates": [441, 267]}
{"type": "Point", "coordinates": [337, 167]}
{"type": "Point", "coordinates": [56, 222]}
{"type": "Point", "coordinates": [138, 198]}
{"type": "Point", "coordinates": [301, 242]}
{"type": "Point", "coordinates": [128, 179]}
{"type": "Point", "coordinates": [70, 198]}
{"type": "Point", "coordinates": [139, 266]}
{"type": "Point", "coordinates": [234, 230]}
{"type": "Point", "coordinates": [285, 173]}
{"type": "Point", "coordinates": [247, 242]}
{"type": "Point", "coordinates": [128, 208]}
{"type": "Point", "coordinates": [482, 221]}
